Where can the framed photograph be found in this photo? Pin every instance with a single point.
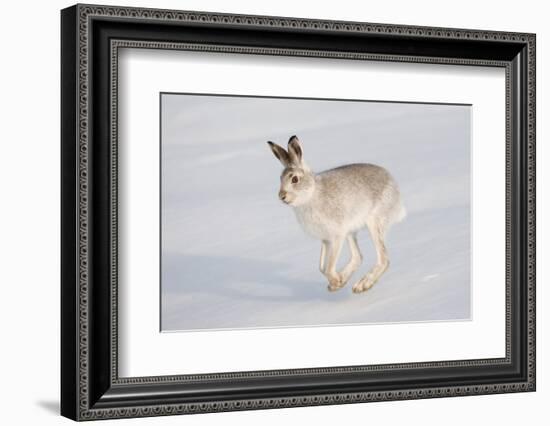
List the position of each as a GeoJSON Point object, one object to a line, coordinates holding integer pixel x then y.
{"type": "Point", "coordinates": [263, 212]}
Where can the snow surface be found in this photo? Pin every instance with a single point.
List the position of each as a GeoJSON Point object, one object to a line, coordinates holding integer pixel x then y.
{"type": "Point", "coordinates": [233, 256]}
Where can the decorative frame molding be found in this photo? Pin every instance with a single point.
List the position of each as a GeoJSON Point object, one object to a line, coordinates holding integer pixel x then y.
{"type": "Point", "coordinates": [91, 37]}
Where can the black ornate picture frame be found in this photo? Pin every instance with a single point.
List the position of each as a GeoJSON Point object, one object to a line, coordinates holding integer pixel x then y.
{"type": "Point", "coordinates": [90, 384]}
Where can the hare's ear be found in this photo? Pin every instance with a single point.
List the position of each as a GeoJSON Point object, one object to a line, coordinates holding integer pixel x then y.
{"type": "Point", "coordinates": [295, 150]}
{"type": "Point", "coordinates": [280, 153]}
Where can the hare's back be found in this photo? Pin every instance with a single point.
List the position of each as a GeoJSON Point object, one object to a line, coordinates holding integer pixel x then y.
{"type": "Point", "coordinates": [357, 180]}
{"type": "Point", "coordinates": [350, 194]}
{"type": "Point", "coordinates": [347, 196]}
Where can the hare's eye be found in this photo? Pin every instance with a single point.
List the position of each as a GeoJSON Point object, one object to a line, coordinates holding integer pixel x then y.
{"type": "Point", "coordinates": [295, 179]}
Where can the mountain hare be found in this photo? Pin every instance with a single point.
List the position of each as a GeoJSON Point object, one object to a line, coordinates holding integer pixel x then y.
{"type": "Point", "coordinates": [335, 204]}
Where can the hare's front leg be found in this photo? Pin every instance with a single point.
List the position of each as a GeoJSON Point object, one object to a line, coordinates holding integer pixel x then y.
{"type": "Point", "coordinates": [355, 260]}
{"type": "Point", "coordinates": [322, 260]}
{"type": "Point", "coordinates": [334, 278]}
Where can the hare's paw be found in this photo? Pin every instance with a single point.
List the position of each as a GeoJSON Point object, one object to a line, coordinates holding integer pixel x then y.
{"type": "Point", "coordinates": [334, 288]}
{"type": "Point", "coordinates": [364, 284]}
{"type": "Point", "coordinates": [335, 282]}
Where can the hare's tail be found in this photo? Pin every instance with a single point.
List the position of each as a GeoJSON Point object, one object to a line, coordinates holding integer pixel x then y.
{"type": "Point", "coordinates": [400, 213]}
{"type": "Point", "coordinates": [392, 209]}
{"type": "Point", "coordinates": [396, 215]}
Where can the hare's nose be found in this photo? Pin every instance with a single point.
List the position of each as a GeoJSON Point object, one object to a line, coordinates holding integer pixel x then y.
{"type": "Point", "coordinates": [282, 195]}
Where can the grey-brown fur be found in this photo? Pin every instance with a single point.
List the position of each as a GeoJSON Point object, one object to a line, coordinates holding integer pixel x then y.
{"type": "Point", "coordinates": [336, 204]}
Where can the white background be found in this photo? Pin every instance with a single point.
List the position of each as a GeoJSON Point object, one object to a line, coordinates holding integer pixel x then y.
{"type": "Point", "coordinates": [29, 229]}
{"type": "Point", "coordinates": [146, 352]}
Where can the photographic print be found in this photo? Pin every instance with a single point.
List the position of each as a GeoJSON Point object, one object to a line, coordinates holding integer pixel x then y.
{"type": "Point", "coordinates": [293, 212]}
{"type": "Point", "coordinates": [361, 193]}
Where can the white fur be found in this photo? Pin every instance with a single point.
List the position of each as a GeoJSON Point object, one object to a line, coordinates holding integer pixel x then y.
{"type": "Point", "coordinates": [334, 205]}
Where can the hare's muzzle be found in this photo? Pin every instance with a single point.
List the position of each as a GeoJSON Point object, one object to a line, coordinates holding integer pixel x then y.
{"type": "Point", "coordinates": [282, 195]}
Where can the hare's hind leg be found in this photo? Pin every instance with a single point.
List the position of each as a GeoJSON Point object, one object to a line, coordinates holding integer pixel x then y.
{"type": "Point", "coordinates": [355, 260]}
{"type": "Point", "coordinates": [377, 231]}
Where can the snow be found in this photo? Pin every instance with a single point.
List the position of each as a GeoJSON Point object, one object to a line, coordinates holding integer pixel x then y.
{"type": "Point", "coordinates": [233, 256]}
